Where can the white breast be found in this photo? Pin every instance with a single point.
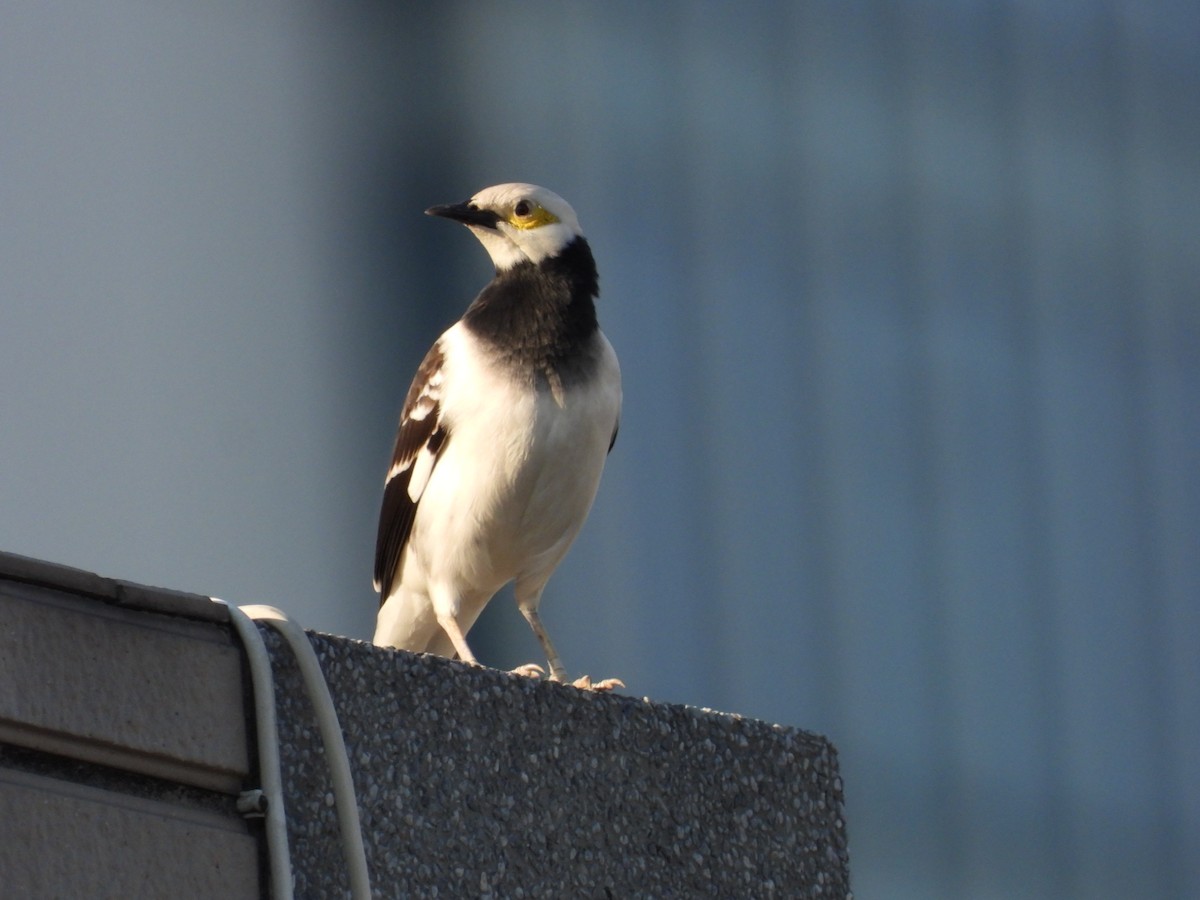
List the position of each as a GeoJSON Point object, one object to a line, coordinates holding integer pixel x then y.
{"type": "Point", "coordinates": [515, 482]}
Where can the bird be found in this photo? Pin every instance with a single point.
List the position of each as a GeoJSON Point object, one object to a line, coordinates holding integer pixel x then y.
{"type": "Point", "coordinates": [503, 435]}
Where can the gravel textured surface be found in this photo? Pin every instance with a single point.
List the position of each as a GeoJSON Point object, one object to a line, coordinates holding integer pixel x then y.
{"type": "Point", "coordinates": [476, 783]}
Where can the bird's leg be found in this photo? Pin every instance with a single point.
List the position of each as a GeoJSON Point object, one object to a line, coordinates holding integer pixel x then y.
{"type": "Point", "coordinates": [558, 671]}
{"type": "Point", "coordinates": [450, 626]}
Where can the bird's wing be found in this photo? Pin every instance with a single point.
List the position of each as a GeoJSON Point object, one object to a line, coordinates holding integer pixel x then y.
{"type": "Point", "coordinates": [419, 442]}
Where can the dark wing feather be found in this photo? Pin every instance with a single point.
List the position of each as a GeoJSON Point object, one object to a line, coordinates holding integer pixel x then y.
{"type": "Point", "coordinates": [421, 429]}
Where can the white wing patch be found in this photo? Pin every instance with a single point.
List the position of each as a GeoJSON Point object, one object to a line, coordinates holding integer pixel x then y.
{"type": "Point", "coordinates": [422, 468]}
{"type": "Point", "coordinates": [427, 401]}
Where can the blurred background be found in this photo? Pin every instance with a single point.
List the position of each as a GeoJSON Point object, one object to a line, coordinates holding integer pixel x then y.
{"type": "Point", "coordinates": [906, 299]}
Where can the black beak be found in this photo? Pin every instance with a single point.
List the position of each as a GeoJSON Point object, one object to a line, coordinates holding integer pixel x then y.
{"type": "Point", "coordinates": [467, 213]}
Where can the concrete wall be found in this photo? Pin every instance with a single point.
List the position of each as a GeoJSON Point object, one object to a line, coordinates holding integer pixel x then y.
{"type": "Point", "coordinates": [123, 741]}
{"type": "Point", "coordinates": [123, 745]}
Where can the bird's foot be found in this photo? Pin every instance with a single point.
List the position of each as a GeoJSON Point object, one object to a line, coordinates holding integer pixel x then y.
{"type": "Point", "coordinates": [530, 670]}
{"type": "Point", "coordinates": [585, 683]}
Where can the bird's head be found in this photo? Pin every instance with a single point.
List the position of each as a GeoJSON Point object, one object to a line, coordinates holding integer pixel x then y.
{"type": "Point", "coordinates": [516, 222]}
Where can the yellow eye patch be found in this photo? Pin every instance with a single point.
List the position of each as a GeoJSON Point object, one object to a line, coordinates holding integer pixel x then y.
{"type": "Point", "coordinates": [526, 215]}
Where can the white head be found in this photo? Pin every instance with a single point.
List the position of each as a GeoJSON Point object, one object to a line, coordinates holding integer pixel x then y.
{"type": "Point", "coordinates": [516, 222]}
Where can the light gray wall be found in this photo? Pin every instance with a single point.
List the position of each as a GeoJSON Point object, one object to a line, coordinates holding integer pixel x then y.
{"type": "Point", "coordinates": [906, 302]}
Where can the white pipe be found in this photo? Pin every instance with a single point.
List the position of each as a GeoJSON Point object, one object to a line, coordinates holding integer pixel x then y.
{"type": "Point", "coordinates": [334, 741]}
{"type": "Point", "coordinates": [267, 733]}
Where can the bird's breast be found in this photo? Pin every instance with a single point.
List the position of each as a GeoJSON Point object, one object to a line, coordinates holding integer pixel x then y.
{"type": "Point", "coordinates": [521, 465]}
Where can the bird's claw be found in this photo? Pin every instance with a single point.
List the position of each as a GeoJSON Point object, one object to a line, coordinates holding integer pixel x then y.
{"type": "Point", "coordinates": [585, 683]}
{"type": "Point", "coordinates": [530, 670]}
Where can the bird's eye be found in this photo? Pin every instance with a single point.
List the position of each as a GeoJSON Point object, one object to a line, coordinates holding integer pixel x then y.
{"type": "Point", "coordinates": [523, 208]}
